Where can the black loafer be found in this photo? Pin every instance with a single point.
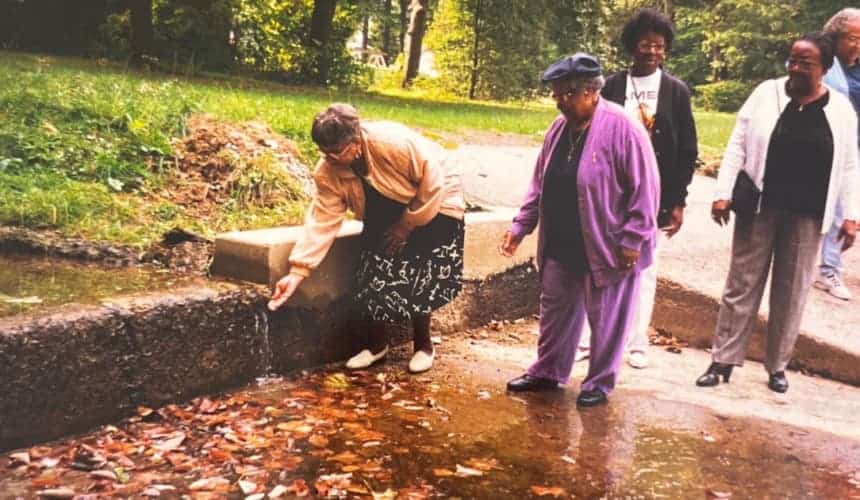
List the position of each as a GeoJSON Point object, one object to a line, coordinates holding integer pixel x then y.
{"type": "Point", "coordinates": [529, 383]}
{"type": "Point", "coordinates": [778, 382]}
{"type": "Point", "coordinates": [590, 398]}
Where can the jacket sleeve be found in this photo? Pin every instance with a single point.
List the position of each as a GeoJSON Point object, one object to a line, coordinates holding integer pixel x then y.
{"type": "Point", "coordinates": [324, 218]}
{"type": "Point", "coordinates": [688, 147]}
{"type": "Point", "coordinates": [848, 192]}
{"type": "Point", "coordinates": [734, 157]}
{"type": "Point", "coordinates": [643, 183]}
{"type": "Point", "coordinates": [428, 172]}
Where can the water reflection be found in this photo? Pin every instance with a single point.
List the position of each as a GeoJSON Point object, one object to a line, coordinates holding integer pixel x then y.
{"type": "Point", "coordinates": [27, 284]}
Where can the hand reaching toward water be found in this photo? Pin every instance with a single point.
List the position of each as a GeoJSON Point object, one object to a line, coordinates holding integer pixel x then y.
{"type": "Point", "coordinates": [284, 289]}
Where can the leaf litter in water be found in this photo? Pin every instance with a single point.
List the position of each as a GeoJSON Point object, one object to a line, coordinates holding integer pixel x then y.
{"type": "Point", "coordinates": [545, 491]}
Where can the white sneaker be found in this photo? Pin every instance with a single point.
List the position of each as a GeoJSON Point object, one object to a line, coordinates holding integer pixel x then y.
{"type": "Point", "coordinates": [831, 284]}
{"type": "Point", "coordinates": [421, 362]}
{"type": "Point", "coordinates": [637, 359]}
{"type": "Point", "coordinates": [365, 358]}
{"type": "Point", "coordinates": [581, 353]}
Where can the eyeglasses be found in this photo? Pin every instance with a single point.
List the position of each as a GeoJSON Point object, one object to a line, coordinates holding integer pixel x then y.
{"type": "Point", "coordinates": [566, 95]}
{"type": "Point", "coordinates": [804, 65]}
{"type": "Point", "coordinates": [338, 153]}
{"type": "Point", "coordinates": [646, 47]}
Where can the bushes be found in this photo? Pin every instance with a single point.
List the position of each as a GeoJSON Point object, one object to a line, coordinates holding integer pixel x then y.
{"type": "Point", "coordinates": [728, 95]}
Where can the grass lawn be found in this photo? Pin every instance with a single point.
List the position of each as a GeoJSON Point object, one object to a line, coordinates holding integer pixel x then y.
{"type": "Point", "coordinates": [81, 141]}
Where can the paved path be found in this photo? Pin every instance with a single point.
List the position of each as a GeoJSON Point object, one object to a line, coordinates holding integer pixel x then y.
{"type": "Point", "coordinates": [696, 259]}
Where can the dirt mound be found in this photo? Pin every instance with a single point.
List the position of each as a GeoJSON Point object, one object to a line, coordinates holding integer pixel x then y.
{"type": "Point", "coordinates": [217, 162]}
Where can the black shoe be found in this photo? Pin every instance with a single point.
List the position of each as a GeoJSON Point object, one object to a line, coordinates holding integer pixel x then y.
{"type": "Point", "coordinates": [712, 376]}
{"type": "Point", "coordinates": [590, 398]}
{"type": "Point", "coordinates": [778, 382]}
{"type": "Point", "coordinates": [528, 383]}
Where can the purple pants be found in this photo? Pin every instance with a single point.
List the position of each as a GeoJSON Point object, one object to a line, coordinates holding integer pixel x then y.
{"type": "Point", "coordinates": [565, 302]}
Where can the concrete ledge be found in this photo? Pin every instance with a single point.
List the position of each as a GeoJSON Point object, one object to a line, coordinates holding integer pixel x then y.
{"type": "Point", "coordinates": [261, 256]}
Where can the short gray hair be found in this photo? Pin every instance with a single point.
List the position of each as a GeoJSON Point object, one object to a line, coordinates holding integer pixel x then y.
{"type": "Point", "coordinates": [836, 24]}
{"type": "Point", "coordinates": [593, 83]}
{"type": "Point", "coordinates": [336, 125]}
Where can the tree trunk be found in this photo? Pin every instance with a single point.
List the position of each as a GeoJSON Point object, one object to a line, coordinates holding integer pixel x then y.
{"type": "Point", "coordinates": [386, 30]}
{"type": "Point", "coordinates": [473, 84]}
{"type": "Point", "coordinates": [404, 23]}
{"type": "Point", "coordinates": [141, 30]}
{"type": "Point", "coordinates": [365, 36]}
{"type": "Point", "coordinates": [321, 21]}
{"type": "Point", "coordinates": [417, 27]}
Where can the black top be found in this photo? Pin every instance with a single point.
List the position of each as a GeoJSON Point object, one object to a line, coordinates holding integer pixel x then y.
{"type": "Point", "coordinates": [564, 242]}
{"type": "Point", "coordinates": [799, 159]}
{"type": "Point", "coordinates": [674, 136]}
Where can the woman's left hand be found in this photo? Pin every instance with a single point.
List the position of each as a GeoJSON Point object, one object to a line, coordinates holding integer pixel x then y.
{"type": "Point", "coordinates": [847, 234]}
{"type": "Point", "coordinates": [676, 220]}
{"type": "Point", "coordinates": [394, 240]}
{"type": "Point", "coordinates": [627, 257]}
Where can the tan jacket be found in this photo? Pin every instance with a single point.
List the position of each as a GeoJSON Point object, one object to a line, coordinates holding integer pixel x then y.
{"type": "Point", "coordinates": [402, 165]}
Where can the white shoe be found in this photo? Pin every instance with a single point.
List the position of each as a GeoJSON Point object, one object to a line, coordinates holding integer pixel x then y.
{"type": "Point", "coordinates": [365, 358]}
{"type": "Point", "coordinates": [421, 362]}
{"type": "Point", "coordinates": [637, 359]}
{"type": "Point", "coordinates": [831, 284]}
{"type": "Point", "coordinates": [581, 353]}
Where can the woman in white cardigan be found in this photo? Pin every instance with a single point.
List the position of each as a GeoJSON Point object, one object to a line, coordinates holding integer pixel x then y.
{"type": "Point", "coordinates": [792, 154]}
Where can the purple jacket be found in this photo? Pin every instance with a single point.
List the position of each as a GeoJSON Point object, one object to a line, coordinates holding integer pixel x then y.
{"type": "Point", "coordinates": [618, 189]}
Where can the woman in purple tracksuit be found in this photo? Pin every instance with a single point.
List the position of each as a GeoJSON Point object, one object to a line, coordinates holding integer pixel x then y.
{"type": "Point", "coordinates": [595, 192]}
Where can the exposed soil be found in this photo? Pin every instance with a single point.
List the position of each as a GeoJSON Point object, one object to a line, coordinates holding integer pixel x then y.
{"type": "Point", "coordinates": [214, 159]}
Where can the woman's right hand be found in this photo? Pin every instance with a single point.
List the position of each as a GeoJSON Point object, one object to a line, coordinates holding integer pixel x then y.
{"type": "Point", "coordinates": [509, 244]}
{"type": "Point", "coordinates": [284, 289]}
{"type": "Point", "coordinates": [720, 211]}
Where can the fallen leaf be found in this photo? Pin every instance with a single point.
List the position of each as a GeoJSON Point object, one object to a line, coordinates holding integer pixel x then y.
{"type": "Point", "coordinates": [170, 444]}
{"type": "Point", "coordinates": [299, 488]}
{"type": "Point", "coordinates": [483, 394]}
{"type": "Point", "coordinates": [543, 491]}
{"type": "Point", "coordinates": [151, 492]}
{"type": "Point", "coordinates": [318, 441]}
{"type": "Point", "coordinates": [247, 487]}
{"type": "Point", "coordinates": [336, 381]}
{"type": "Point", "coordinates": [442, 473]}
{"type": "Point", "coordinates": [256, 496]}
{"type": "Point", "coordinates": [346, 457]}
{"type": "Point", "coordinates": [485, 465]}
{"type": "Point", "coordinates": [568, 459]}
{"type": "Point", "coordinates": [467, 472]}
{"type": "Point", "coordinates": [22, 458]}
{"type": "Point", "coordinates": [49, 463]}
{"type": "Point", "coordinates": [208, 484]}
{"type": "Point", "coordinates": [388, 494]}
{"type": "Point", "coordinates": [57, 493]}
{"type": "Point", "coordinates": [718, 494]}
{"type": "Point", "coordinates": [103, 474]}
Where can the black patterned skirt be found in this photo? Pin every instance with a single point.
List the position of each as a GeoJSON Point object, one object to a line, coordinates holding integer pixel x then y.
{"type": "Point", "coordinates": [424, 276]}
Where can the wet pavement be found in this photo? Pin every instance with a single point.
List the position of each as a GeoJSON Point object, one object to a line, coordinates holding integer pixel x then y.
{"type": "Point", "coordinates": [28, 284]}
{"type": "Point", "coordinates": [455, 433]}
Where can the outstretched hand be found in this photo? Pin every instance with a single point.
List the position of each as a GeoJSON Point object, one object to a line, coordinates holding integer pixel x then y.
{"type": "Point", "coordinates": [284, 289]}
{"type": "Point", "coordinates": [847, 234]}
{"type": "Point", "coordinates": [720, 211]}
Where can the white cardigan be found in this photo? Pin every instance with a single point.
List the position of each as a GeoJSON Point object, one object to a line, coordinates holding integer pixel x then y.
{"type": "Point", "coordinates": [747, 147]}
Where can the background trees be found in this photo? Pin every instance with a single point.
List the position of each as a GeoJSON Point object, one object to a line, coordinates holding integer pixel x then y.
{"type": "Point", "coordinates": [481, 48]}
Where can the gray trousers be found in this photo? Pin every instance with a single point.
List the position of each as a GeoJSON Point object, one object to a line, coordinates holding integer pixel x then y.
{"type": "Point", "coordinates": [791, 242]}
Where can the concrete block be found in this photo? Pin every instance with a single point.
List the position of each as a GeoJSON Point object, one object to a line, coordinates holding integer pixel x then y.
{"type": "Point", "coordinates": [261, 256]}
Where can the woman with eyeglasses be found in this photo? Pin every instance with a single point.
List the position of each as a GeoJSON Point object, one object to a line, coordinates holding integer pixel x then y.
{"type": "Point", "coordinates": [791, 156]}
{"type": "Point", "coordinates": [411, 203]}
{"type": "Point", "coordinates": [843, 77]}
{"type": "Point", "coordinates": [593, 198]}
{"type": "Point", "coordinates": [661, 102]}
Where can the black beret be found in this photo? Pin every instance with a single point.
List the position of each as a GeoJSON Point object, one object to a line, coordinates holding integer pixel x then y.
{"type": "Point", "coordinates": [577, 65]}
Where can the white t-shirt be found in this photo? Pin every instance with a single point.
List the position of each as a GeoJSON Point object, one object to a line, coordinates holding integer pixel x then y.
{"type": "Point", "coordinates": [642, 89]}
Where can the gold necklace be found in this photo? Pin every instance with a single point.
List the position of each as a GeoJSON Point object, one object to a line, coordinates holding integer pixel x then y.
{"type": "Point", "coordinates": [575, 143]}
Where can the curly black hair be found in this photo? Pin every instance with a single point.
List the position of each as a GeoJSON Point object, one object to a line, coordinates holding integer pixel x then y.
{"type": "Point", "coordinates": [643, 21]}
{"type": "Point", "coordinates": [824, 42]}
